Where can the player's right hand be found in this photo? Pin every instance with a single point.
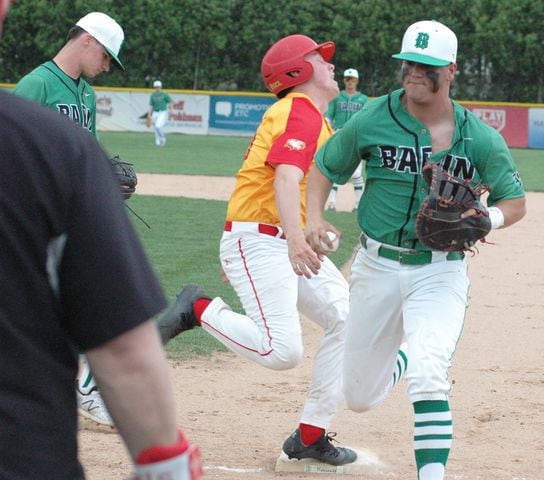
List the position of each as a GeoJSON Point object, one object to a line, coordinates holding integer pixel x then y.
{"type": "Point", "coordinates": [317, 237]}
{"type": "Point", "coordinates": [303, 258]}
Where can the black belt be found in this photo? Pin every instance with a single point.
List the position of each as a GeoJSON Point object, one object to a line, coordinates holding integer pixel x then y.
{"type": "Point", "coordinates": [411, 257]}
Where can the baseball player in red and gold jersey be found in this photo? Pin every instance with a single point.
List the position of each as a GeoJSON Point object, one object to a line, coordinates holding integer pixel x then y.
{"type": "Point", "coordinates": [265, 256]}
{"type": "Point", "coordinates": [264, 253]}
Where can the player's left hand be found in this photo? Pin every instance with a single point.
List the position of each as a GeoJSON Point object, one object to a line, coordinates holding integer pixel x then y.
{"type": "Point", "coordinates": [126, 176]}
{"type": "Point", "coordinates": [469, 213]}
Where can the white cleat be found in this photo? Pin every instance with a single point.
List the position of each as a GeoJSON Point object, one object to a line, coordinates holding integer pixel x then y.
{"type": "Point", "coordinates": [91, 406]}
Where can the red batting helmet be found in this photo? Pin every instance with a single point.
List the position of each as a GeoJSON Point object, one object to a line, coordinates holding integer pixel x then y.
{"type": "Point", "coordinates": [284, 66]}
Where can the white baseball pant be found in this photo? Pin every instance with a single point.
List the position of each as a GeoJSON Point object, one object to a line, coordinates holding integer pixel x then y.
{"type": "Point", "coordinates": [159, 123]}
{"type": "Point", "coordinates": [258, 268]}
{"type": "Point", "coordinates": [426, 304]}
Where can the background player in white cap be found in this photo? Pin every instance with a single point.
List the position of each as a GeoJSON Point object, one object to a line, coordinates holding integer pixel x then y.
{"type": "Point", "coordinates": [399, 287]}
{"type": "Point", "coordinates": [160, 106]}
{"type": "Point", "coordinates": [348, 102]}
{"type": "Point", "coordinates": [91, 46]}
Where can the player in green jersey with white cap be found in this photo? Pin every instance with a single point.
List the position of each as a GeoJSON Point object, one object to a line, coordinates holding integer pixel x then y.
{"type": "Point", "coordinates": [160, 107]}
{"type": "Point", "coordinates": [92, 44]}
{"type": "Point", "coordinates": [90, 47]}
{"type": "Point", "coordinates": [348, 102]}
{"type": "Point", "coordinates": [400, 288]}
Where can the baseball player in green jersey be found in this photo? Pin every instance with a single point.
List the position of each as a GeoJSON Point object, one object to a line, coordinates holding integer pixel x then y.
{"type": "Point", "coordinates": [90, 46]}
{"type": "Point", "coordinates": [58, 84]}
{"type": "Point", "coordinates": [348, 102]}
{"type": "Point", "coordinates": [340, 110]}
{"type": "Point", "coordinates": [400, 288]}
{"type": "Point", "coordinates": [160, 105]}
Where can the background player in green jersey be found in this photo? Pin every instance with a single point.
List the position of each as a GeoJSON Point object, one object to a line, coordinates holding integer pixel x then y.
{"type": "Point", "coordinates": [90, 46]}
{"type": "Point", "coordinates": [399, 288]}
{"type": "Point", "coordinates": [160, 105]}
{"type": "Point", "coordinates": [58, 84]}
{"type": "Point", "coordinates": [340, 110]}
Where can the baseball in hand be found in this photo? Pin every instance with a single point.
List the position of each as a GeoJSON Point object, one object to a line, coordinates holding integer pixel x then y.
{"type": "Point", "coordinates": [335, 242]}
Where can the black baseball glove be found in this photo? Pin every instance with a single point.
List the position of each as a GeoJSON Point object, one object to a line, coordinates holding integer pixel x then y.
{"type": "Point", "coordinates": [439, 224]}
{"type": "Point", "coordinates": [126, 176]}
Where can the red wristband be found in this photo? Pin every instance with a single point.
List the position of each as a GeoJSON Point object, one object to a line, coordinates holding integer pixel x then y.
{"type": "Point", "coordinates": [158, 453]}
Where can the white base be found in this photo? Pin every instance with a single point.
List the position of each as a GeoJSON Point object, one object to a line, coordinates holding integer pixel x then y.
{"type": "Point", "coordinates": [367, 463]}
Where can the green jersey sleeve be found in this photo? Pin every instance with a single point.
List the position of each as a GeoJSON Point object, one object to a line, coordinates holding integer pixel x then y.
{"type": "Point", "coordinates": [340, 156]}
{"type": "Point", "coordinates": [32, 87]}
{"type": "Point", "coordinates": [500, 172]}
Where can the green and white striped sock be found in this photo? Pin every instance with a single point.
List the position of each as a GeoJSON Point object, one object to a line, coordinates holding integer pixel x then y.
{"type": "Point", "coordinates": [85, 379]}
{"type": "Point", "coordinates": [432, 438]}
{"type": "Point", "coordinates": [400, 367]}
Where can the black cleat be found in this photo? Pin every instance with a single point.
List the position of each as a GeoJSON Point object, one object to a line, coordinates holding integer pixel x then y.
{"type": "Point", "coordinates": [322, 450]}
{"type": "Point", "coordinates": [179, 315]}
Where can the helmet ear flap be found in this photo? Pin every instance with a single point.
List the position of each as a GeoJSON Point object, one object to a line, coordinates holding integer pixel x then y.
{"type": "Point", "coordinates": [288, 74]}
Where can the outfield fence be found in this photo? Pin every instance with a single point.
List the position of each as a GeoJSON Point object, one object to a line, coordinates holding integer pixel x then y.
{"type": "Point", "coordinates": [229, 113]}
{"type": "Point", "coordinates": [239, 113]}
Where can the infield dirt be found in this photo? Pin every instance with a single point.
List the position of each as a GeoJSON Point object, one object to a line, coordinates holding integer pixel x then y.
{"type": "Point", "coordinates": [240, 413]}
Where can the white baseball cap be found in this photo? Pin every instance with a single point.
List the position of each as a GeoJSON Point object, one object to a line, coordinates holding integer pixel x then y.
{"type": "Point", "coordinates": [157, 84]}
{"type": "Point", "coordinates": [351, 72]}
{"type": "Point", "coordinates": [106, 31]}
{"type": "Point", "coordinates": [429, 42]}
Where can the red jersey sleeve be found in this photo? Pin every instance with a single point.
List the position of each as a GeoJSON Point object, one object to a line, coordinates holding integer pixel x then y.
{"type": "Point", "coordinates": [298, 143]}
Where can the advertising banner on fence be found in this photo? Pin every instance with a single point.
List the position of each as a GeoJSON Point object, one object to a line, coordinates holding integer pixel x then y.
{"type": "Point", "coordinates": [237, 115]}
{"type": "Point", "coordinates": [229, 114]}
{"type": "Point", "coordinates": [118, 111]}
{"type": "Point", "coordinates": [536, 128]}
{"type": "Point", "coordinates": [511, 122]}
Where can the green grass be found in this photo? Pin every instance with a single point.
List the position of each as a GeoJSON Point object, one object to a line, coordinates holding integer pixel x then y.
{"type": "Point", "coordinates": [222, 156]}
{"type": "Point", "coordinates": [183, 245]}
{"type": "Point", "coordinates": [530, 163]}
{"type": "Point", "coordinates": [183, 242]}
{"type": "Point", "coordinates": [182, 154]}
